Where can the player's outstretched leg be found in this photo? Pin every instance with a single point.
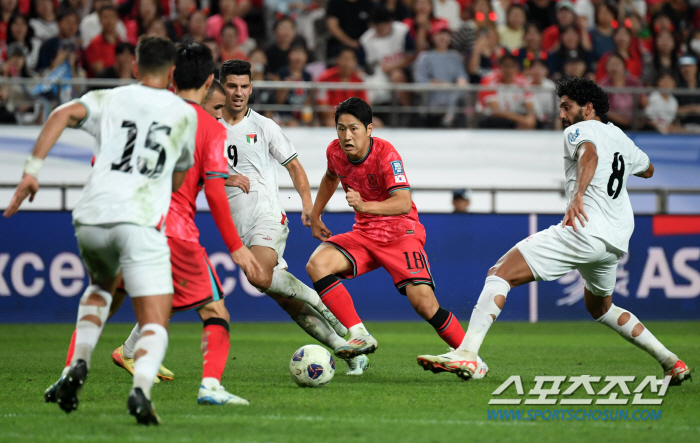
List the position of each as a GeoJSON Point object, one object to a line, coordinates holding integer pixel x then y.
{"type": "Point", "coordinates": [215, 348]}
{"type": "Point", "coordinates": [92, 315]}
{"type": "Point", "coordinates": [631, 329]}
{"type": "Point", "coordinates": [123, 357]}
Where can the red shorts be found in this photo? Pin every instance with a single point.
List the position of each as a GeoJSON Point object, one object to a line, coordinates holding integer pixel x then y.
{"type": "Point", "coordinates": [404, 259]}
{"type": "Point", "coordinates": [194, 279]}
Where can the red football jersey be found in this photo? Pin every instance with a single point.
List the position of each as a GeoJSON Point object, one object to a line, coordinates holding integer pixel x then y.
{"type": "Point", "coordinates": [209, 162]}
{"type": "Point", "coordinates": [375, 177]}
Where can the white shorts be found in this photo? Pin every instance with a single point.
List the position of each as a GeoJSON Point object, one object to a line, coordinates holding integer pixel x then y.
{"type": "Point", "coordinates": [557, 250]}
{"type": "Point", "coordinates": [141, 253]}
{"type": "Point", "coordinates": [269, 234]}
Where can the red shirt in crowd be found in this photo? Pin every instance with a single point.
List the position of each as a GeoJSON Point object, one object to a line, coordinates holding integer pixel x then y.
{"type": "Point", "coordinates": [99, 50]}
{"type": "Point", "coordinates": [335, 96]}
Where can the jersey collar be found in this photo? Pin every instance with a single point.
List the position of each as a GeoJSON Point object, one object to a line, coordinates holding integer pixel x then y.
{"type": "Point", "coordinates": [360, 161]}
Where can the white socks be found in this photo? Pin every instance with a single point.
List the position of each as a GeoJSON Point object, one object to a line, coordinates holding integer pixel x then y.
{"type": "Point", "coordinates": [316, 326]}
{"type": "Point", "coordinates": [147, 365]}
{"type": "Point", "coordinates": [288, 286]}
{"type": "Point", "coordinates": [358, 329]}
{"type": "Point", "coordinates": [87, 332]}
{"type": "Point", "coordinates": [645, 340]}
{"type": "Point", "coordinates": [130, 343]}
{"type": "Point", "coordinates": [484, 314]}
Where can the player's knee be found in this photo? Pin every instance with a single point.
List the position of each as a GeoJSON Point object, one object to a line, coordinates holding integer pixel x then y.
{"type": "Point", "coordinates": [261, 281]}
{"type": "Point", "coordinates": [316, 269]}
{"type": "Point", "coordinates": [214, 310]}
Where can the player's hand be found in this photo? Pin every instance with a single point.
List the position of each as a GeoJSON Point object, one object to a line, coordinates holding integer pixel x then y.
{"type": "Point", "coordinates": [306, 215]}
{"type": "Point", "coordinates": [239, 181]}
{"type": "Point", "coordinates": [575, 212]}
{"type": "Point", "coordinates": [355, 200]}
{"type": "Point", "coordinates": [28, 187]}
{"type": "Point", "coordinates": [319, 230]}
{"type": "Point", "coordinates": [247, 261]}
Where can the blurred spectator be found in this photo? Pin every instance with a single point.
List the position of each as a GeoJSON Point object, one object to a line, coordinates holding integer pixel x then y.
{"type": "Point", "coordinates": [43, 20]}
{"type": "Point", "coordinates": [229, 12]}
{"type": "Point", "coordinates": [399, 10]}
{"type": "Point", "coordinates": [229, 49]}
{"type": "Point", "coordinates": [283, 8]}
{"type": "Point", "coordinates": [566, 18]}
{"type": "Point", "coordinates": [346, 20]}
{"type": "Point", "coordinates": [482, 18]}
{"type": "Point", "coordinates": [628, 8]}
{"type": "Point", "coordinates": [689, 105]}
{"type": "Point", "coordinates": [665, 56]}
{"type": "Point", "coordinates": [575, 65]}
{"type": "Point", "coordinates": [693, 44]}
{"type": "Point", "coordinates": [683, 16]}
{"type": "Point", "coordinates": [100, 53]}
{"type": "Point", "coordinates": [510, 104]}
{"type": "Point", "coordinates": [215, 53]}
{"type": "Point", "coordinates": [541, 12]}
{"type": "Point", "coordinates": [511, 34]}
{"type": "Point", "coordinates": [461, 198]}
{"type": "Point", "coordinates": [157, 28]}
{"type": "Point", "coordinates": [197, 27]}
{"type": "Point", "coordinates": [178, 27]}
{"type": "Point", "coordinates": [388, 49]}
{"type": "Point", "coordinates": [123, 68]}
{"type": "Point", "coordinates": [147, 12]}
{"type": "Point", "coordinates": [533, 46]}
{"type": "Point", "coordinates": [54, 50]}
{"type": "Point", "coordinates": [295, 71]}
{"type": "Point", "coordinates": [449, 10]}
{"type": "Point", "coordinates": [570, 47]}
{"type": "Point", "coordinates": [438, 66]}
{"type": "Point", "coordinates": [586, 12]}
{"type": "Point", "coordinates": [622, 38]}
{"type": "Point", "coordinates": [278, 52]}
{"type": "Point", "coordinates": [662, 107]}
{"type": "Point", "coordinates": [424, 23]}
{"type": "Point", "coordinates": [7, 9]}
{"type": "Point", "coordinates": [258, 69]}
{"type": "Point", "coordinates": [90, 25]}
{"type": "Point", "coordinates": [544, 97]}
{"type": "Point", "coordinates": [484, 57]}
{"type": "Point", "coordinates": [21, 33]}
{"type": "Point", "coordinates": [602, 33]}
{"type": "Point", "coordinates": [622, 104]}
{"type": "Point", "coordinates": [345, 70]}
{"type": "Point", "coordinates": [14, 98]}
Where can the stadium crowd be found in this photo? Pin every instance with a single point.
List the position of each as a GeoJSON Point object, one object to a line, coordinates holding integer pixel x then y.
{"type": "Point", "coordinates": [507, 45]}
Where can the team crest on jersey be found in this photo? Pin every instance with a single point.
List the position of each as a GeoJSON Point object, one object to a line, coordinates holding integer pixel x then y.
{"type": "Point", "coordinates": [252, 138]}
{"type": "Point", "coordinates": [397, 167]}
{"type": "Point", "coordinates": [573, 136]}
{"type": "Point", "coordinates": [372, 179]}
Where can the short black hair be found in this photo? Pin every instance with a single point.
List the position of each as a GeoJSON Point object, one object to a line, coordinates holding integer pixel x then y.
{"type": "Point", "coordinates": [665, 72]}
{"type": "Point", "coordinates": [229, 25]}
{"type": "Point", "coordinates": [380, 14]}
{"type": "Point", "coordinates": [155, 54]}
{"type": "Point", "coordinates": [234, 67]}
{"type": "Point", "coordinates": [284, 18]}
{"type": "Point", "coordinates": [108, 7]}
{"type": "Point", "coordinates": [509, 56]}
{"type": "Point", "coordinates": [356, 107]}
{"type": "Point", "coordinates": [194, 65]}
{"type": "Point", "coordinates": [215, 86]}
{"type": "Point", "coordinates": [125, 46]}
{"type": "Point", "coordinates": [582, 91]}
{"type": "Point", "coordinates": [66, 11]}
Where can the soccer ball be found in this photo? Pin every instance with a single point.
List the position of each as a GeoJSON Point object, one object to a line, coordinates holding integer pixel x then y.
{"type": "Point", "coordinates": [312, 366]}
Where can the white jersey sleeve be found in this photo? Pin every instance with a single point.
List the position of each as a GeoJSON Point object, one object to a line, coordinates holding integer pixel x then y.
{"type": "Point", "coordinates": [639, 160]}
{"type": "Point", "coordinates": [575, 136]}
{"type": "Point", "coordinates": [280, 146]}
{"type": "Point", "coordinates": [93, 102]}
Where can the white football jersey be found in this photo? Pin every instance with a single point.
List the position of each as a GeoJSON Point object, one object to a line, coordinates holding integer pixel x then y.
{"type": "Point", "coordinates": [143, 135]}
{"type": "Point", "coordinates": [253, 147]}
{"type": "Point", "coordinates": [606, 201]}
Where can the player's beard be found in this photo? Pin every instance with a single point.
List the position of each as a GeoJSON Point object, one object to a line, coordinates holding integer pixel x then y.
{"type": "Point", "coordinates": [577, 118]}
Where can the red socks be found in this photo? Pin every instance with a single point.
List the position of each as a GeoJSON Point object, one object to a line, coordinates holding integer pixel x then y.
{"type": "Point", "coordinates": [215, 347]}
{"type": "Point", "coordinates": [338, 300]}
{"type": "Point", "coordinates": [71, 348]}
{"type": "Point", "coordinates": [448, 327]}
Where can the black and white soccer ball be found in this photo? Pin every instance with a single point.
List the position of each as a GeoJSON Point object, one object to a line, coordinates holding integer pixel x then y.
{"type": "Point", "coordinates": [312, 366]}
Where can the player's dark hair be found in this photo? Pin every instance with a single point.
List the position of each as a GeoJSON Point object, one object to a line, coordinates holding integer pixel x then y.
{"type": "Point", "coordinates": [215, 86]}
{"type": "Point", "coordinates": [194, 65]}
{"type": "Point", "coordinates": [234, 67]}
{"type": "Point", "coordinates": [356, 107]}
{"type": "Point", "coordinates": [582, 91]}
{"type": "Point", "coordinates": [155, 54]}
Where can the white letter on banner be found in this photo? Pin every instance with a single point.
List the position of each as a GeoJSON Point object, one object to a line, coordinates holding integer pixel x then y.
{"type": "Point", "coordinates": [656, 260]}
{"type": "Point", "coordinates": [225, 261]}
{"type": "Point", "coordinates": [619, 380]}
{"type": "Point", "coordinates": [4, 289]}
{"type": "Point", "coordinates": [17, 274]}
{"type": "Point", "coordinates": [577, 382]}
{"type": "Point", "coordinates": [638, 398]}
{"type": "Point", "coordinates": [74, 272]}
{"type": "Point", "coordinates": [681, 267]}
{"type": "Point", "coordinates": [513, 379]}
{"type": "Point", "coordinates": [539, 390]}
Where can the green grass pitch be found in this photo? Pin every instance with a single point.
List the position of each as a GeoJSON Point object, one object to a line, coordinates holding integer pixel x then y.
{"type": "Point", "coordinates": [394, 401]}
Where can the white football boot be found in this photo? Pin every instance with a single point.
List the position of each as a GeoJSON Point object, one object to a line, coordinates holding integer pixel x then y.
{"type": "Point", "coordinates": [360, 345]}
{"type": "Point", "coordinates": [215, 394]}
{"type": "Point", "coordinates": [357, 365]}
{"type": "Point", "coordinates": [455, 362]}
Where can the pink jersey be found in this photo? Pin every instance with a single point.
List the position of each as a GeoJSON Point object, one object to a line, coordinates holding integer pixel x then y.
{"type": "Point", "coordinates": [375, 177]}
{"type": "Point", "coordinates": [209, 162]}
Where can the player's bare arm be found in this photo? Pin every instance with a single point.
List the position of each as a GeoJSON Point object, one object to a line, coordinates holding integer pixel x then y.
{"type": "Point", "coordinates": [301, 184]}
{"type": "Point", "coordinates": [178, 179]}
{"type": "Point", "coordinates": [399, 203]}
{"type": "Point", "coordinates": [329, 183]}
{"type": "Point", "coordinates": [238, 181]}
{"type": "Point", "coordinates": [649, 173]}
{"type": "Point", "coordinates": [585, 169]}
{"type": "Point", "coordinates": [68, 115]}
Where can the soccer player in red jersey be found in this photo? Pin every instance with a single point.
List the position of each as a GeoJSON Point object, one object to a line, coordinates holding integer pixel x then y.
{"type": "Point", "coordinates": [194, 279]}
{"type": "Point", "coordinates": [386, 233]}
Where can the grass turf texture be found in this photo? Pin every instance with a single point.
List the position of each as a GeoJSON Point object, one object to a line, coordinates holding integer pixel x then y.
{"type": "Point", "coordinates": [394, 401]}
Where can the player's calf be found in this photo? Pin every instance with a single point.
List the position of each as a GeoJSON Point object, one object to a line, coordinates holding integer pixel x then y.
{"type": "Point", "coordinates": [92, 315]}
